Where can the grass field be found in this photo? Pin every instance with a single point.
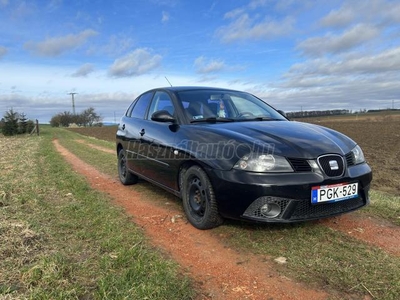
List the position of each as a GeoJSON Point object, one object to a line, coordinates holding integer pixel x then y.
{"type": "Point", "coordinates": [64, 240]}
{"type": "Point", "coordinates": [338, 261]}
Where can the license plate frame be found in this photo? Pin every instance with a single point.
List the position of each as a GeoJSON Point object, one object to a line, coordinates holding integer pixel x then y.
{"type": "Point", "coordinates": [334, 192]}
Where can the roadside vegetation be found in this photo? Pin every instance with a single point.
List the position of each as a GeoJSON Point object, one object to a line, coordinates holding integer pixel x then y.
{"type": "Point", "coordinates": [315, 254]}
{"type": "Point", "coordinates": [68, 241]}
{"type": "Point", "coordinates": [321, 257]}
{"type": "Point", "coordinates": [87, 117]}
{"type": "Point", "coordinates": [14, 123]}
{"type": "Point", "coordinates": [385, 206]}
{"type": "Point", "coordinates": [62, 240]}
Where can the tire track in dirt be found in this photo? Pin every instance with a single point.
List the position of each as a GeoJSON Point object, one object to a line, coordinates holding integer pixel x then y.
{"type": "Point", "coordinates": [220, 272]}
{"type": "Point", "coordinates": [373, 231]}
{"type": "Point", "coordinates": [96, 146]}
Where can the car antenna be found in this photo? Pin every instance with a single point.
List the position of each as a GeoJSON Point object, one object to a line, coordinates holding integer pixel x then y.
{"type": "Point", "coordinates": [168, 81]}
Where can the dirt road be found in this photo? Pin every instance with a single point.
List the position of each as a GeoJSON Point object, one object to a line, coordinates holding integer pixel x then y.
{"type": "Point", "coordinates": [221, 272]}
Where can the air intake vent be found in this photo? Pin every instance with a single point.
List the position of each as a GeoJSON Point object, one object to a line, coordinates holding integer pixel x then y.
{"type": "Point", "coordinates": [300, 165]}
{"type": "Point", "coordinates": [350, 159]}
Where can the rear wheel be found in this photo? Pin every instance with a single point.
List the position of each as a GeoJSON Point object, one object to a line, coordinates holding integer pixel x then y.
{"type": "Point", "coordinates": [199, 200]}
{"type": "Point", "coordinates": [126, 177]}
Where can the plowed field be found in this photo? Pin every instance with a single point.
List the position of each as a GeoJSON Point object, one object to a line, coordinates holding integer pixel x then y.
{"type": "Point", "coordinates": [378, 137]}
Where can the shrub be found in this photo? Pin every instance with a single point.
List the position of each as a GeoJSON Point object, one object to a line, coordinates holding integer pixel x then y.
{"type": "Point", "coordinates": [11, 119]}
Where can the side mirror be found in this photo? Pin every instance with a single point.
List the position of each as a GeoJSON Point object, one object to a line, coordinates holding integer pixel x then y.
{"type": "Point", "coordinates": [282, 113]}
{"type": "Point", "coordinates": [162, 116]}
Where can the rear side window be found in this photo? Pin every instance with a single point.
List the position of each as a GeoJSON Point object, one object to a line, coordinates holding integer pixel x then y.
{"type": "Point", "coordinates": [129, 110]}
{"type": "Point", "coordinates": [140, 108]}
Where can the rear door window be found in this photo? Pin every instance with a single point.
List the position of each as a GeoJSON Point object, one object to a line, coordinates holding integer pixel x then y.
{"type": "Point", "coordinates": [141, 105]}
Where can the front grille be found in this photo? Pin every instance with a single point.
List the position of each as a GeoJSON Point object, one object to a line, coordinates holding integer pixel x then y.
{"type": "Point", "coordinates": [305, 210]}
{"type": "Point", "coordinates": [332, 165]}
{"type": "Point", "coordinates": [254, 210]}
{"type": "Point", "coordinates": [350, 159]}
{"type": "Point", "coordinates": [300, 165]}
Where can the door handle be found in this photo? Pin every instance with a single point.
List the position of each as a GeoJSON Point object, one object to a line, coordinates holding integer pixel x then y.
{"type": "Point", "coordinates": [123, 126]}
{"type": "Point", "coordinates": [142, 132]}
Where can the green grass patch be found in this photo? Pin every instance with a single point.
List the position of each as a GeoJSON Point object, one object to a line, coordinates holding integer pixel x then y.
{"type": "Point", "coordinates": [62, 240]}
{"type": "Point", "coordinates": [107, 163]}
{"type": "Point", "coordinates": [316, 255]}
{"type": "Point", "coordinates": [320, 256]}
{"type": "Point", "coordinates": [96, 141]}
{"type": "Point", "coordinates": [385, 206]}
{"type": "Point", "coordinates": [103, 161]}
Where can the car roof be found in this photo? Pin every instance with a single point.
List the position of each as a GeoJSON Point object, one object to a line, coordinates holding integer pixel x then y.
{"type": "Point", "coordinates": [191, 88]}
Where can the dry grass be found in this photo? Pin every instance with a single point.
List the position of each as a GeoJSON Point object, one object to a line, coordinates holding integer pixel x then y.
{"type": "Point", "coordinates": [62, 240]}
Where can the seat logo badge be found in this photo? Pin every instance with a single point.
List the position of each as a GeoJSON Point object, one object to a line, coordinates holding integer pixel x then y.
{"type": "Point", "coordinates": [334, 165]}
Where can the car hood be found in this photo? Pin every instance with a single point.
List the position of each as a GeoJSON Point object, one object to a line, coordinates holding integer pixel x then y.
{"type": "Point", "coordinates": [286, 138]}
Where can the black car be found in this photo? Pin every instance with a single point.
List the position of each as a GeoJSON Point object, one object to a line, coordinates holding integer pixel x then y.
{"type": "Point", "coordinates": [228, 154]}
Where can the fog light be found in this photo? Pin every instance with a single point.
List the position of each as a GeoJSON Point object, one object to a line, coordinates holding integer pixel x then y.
{"type": "Point", "coordinates": [270, 210]}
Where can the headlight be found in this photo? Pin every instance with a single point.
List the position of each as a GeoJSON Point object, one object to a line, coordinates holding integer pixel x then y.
{"type": "Point", "coordinates": [263, 163]}
{"type": "Point", "coordinates": [358, 155]}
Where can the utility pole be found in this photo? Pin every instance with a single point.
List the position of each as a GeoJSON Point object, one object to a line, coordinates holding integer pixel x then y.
{"type": "Point", "coordinates": [73, 102]}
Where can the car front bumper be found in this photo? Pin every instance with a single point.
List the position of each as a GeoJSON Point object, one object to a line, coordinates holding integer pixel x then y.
{"type": "Point", "coordinates": [241, 195]}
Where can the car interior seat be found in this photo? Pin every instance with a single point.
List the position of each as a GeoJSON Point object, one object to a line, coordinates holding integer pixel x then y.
{"type": "Point", "coordinates": [194, 109]}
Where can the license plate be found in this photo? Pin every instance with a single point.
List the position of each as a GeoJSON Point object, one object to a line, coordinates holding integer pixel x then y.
{"type": "Point", "coordinates": [334, 193]}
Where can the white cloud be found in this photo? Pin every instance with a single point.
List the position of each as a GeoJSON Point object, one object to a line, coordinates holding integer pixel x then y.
{"type": "Point", "coordinates": [257, 3]}
{"type": "Point", "coordinates": [138, 62]}
{"type": "Point", "coordinates": [286, 5]}
{"type": "Point", "coordinates": [353, 63]}
{"type": "Point", "coordinates": [203, 65]}
{"type": "Point", "coordinates": [83, 71]}
{"type": "Point", "coordinates": [317, 93]}
{"type": "Point", "coordinates": [234, 13]}
{"type": "Point", "coordinates": [244, 27]}
{"type": "Point", "coordinates": [115, 46]}
{"type": "Point", "coordinates": [4, 2]}
{"type": "Point", "coordinates": [165, 17]}
{"type": "Point", "coordinates": [330, 43]}
{"type": "Point", "coordinates": [3, 51]}
{"type": "Point", "coordinates": [339, 18]}
{"type": "Point", "coordinates": [351, 81]}
{"type": "Point", "coordinates": [58, 45]}
{"type": "Point", "coordinates": [372, 11]}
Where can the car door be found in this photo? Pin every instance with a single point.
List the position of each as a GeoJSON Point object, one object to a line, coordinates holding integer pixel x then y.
{"type": "Point", "coordinates": [130, 126]}
{"type": "Point", "coordinates": [157, 144]}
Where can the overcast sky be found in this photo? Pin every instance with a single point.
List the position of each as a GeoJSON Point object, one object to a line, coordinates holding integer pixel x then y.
{"type": "Point", "coordinates": [305, 54]}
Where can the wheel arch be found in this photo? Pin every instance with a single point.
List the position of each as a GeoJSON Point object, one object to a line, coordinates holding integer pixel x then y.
{"type": "Point", "coordinates": [119, 147]}
{"type": "Point", "coordinates": [185, 166]}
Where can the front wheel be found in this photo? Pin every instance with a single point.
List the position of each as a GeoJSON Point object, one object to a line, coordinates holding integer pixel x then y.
{"type": "Point", "coordinates": [126, 177]}
{"type": "Point", "coordinates": [199, 200]}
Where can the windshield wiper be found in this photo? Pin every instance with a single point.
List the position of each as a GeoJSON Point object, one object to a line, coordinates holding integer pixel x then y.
{"type": "Point", "coordinates": [261, 119]}
{"type": "Point", "coordinates": [212, 120]}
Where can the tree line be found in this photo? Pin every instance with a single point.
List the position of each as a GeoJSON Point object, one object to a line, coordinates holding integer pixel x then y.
{"type": "Point", "coordinates": [14, 123]}
{"type": "Point", "coordinates": [318, 113]}
{"type": "Point", "coordinates": [88, 117]}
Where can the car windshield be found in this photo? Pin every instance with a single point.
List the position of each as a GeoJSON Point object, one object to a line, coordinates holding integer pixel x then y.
{"type": "Point", "coordinates": [222, 106]}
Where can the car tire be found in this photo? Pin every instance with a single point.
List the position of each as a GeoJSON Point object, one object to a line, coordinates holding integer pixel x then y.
{"type": "Point", "coordinates": [126, 177]}
{"type": "Point", "coordinates": [199, 200]}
